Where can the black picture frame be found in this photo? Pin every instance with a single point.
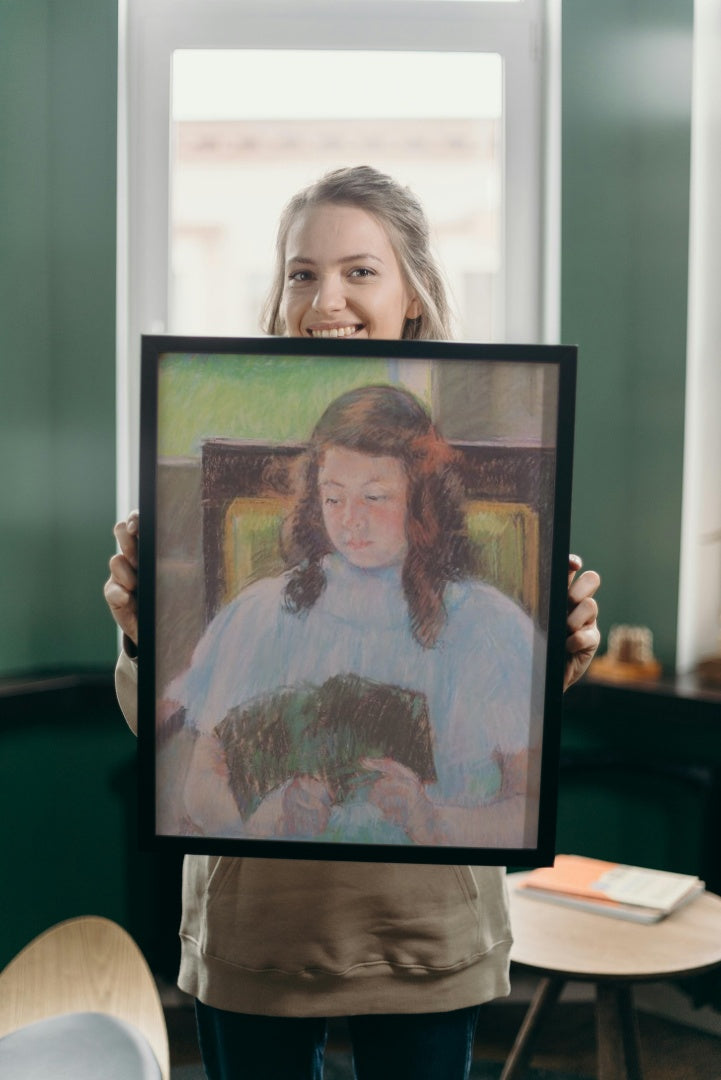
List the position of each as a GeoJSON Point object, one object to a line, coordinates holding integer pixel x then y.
{"type": "Point", "coordinates": [213, 488]}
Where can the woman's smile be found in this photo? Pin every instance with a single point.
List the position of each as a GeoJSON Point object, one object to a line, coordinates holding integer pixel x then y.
{"type": "Point", "coordinates": [335, 331]}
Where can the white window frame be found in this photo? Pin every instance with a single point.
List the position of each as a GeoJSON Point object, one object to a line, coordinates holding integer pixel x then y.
{"type": "Point", "coordinates": [699, 597]}
{"type": "Point", "coordinates": [526, 34]}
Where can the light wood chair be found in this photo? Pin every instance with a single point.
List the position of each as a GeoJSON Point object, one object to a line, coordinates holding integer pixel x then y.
{"type": "Point", "coordinates": [86, 965]}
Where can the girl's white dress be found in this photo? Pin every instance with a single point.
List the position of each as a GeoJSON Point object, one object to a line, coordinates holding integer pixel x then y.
{"type": "Point", "coordinates": [481, 680]}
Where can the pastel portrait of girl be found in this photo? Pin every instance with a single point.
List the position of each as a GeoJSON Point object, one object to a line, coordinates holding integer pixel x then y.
{"type": "Point", "coordinates": [376, 691]}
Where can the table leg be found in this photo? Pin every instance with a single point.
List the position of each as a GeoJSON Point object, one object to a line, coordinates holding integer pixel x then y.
{"type": "Point", "coordinates": [617, 1033]}
{"type": "Point", "coordinates": [545, 997]}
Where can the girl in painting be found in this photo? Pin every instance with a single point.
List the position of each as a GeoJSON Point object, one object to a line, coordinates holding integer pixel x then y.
{"type": "Point", "coordinates": [271, 948]}
{"type": "Point", "coordinates": [379, 633]}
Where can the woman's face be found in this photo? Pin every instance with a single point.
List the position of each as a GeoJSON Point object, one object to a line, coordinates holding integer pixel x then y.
{"type": "Point", "coordinates": [342, 277]}
{"type": "Point", "coordinates": [364, 501]}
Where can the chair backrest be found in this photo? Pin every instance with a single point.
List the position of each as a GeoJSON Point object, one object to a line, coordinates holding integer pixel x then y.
{"type": "Point", "coordinates": [87, 964]}
{"type": "Point", "coordinates": [245, 495]}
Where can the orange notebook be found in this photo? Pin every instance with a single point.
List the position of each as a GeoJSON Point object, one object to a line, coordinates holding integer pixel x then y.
{"type": "Point", "coordinates": [631, 892]}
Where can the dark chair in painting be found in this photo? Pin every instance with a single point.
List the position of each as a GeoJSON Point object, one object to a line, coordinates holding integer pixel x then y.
{"type": "Point", "coordinates": [245, 495]}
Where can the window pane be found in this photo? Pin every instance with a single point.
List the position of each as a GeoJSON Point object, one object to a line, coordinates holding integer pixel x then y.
{"type": "Point", "coordinates": [252, 127]}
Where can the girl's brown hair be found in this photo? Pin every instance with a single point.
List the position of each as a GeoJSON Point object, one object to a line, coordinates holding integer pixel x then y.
{"type": "Point", "coordinates": [385, 421]}
{"type": "Point", "coordinates": [402, 216]}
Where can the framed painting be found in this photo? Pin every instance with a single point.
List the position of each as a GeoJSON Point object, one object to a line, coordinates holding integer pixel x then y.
{"type": "Point", "coordinates": [352, 597]}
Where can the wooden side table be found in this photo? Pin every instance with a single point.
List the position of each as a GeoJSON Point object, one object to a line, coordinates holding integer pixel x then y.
{"type": "Point", "coordinates": [562, 944]}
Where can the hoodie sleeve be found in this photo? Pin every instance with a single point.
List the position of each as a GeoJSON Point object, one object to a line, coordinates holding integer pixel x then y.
{"type": "Point", "coordinates": [126, 689]}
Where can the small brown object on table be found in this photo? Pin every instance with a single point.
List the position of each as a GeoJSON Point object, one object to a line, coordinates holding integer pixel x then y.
{"type": "Point", "coordinates": [563, 944]}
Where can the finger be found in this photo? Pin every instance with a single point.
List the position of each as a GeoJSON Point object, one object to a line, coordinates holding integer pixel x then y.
{"type": "Point", "coordinates": [127, 543]}
{"type": "Point", "coordinates": [388, 767]}
{"type": "Point", "coordinates": [310, 790]}
{"type": "Point", "coordinates": [118, 598]}
{"type": "Point", "coordinates": [585, 585]}
{"type": "Point", "coordinates": [126, 534]}
{"type": "Point", "coordinates": [575, 563]}
{"type": "Point", "coordinates": [583, 614]}
{"type": "Point", "coordinates": [309, 785]}
{"type": "Point", "coordinates": [123, 608]}
{"type": "Point", "coordinates": [582, 641]}
{"type": "Point", "coordinates": [382, 765]}
{"type": "Point", "coordinates": [123, 572]}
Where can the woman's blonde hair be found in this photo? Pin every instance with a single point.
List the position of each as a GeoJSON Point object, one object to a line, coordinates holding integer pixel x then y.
{"type": "Point", "coordinates": [403, 217]}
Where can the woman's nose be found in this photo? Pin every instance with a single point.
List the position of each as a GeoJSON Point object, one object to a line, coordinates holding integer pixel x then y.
{"type": "Point", "coordinates": [329, 296]}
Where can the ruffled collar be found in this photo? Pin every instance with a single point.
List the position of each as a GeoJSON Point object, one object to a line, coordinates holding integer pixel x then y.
{"type": "Point", "coordinates": [373, 597]}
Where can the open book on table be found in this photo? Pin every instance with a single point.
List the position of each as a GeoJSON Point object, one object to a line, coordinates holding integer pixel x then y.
{"type": "Point", "coordinates": [608, 888]}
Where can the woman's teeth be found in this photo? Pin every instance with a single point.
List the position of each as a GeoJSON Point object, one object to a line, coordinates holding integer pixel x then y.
{"type": "Point", "coordinates": [337, 331]}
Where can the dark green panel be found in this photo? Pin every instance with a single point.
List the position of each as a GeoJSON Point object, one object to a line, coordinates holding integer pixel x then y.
{"type": "Point", "coordinates": [68, 784]}
{"type": "Point", "coordinates": [83, 76]}
{"type": "Point", "coordinates": [641, 777]}
{"type": "Point", "coordinates": [58, 75]}
{"type": "Point", "coordinates": [626, 145]}
{"type": "Point", "coordinates": [625, 817]}
{"type": "Point", "coordinates": [63, 785]}
{"type": "Point", "coordinates": [26, 482]}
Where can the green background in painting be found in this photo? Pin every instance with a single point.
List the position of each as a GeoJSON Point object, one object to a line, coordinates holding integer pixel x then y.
{"type": "Point", "coordinates": [273, 398]}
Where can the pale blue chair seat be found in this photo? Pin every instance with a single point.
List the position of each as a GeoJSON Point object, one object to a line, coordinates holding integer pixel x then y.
{"type": "Point", "coordinates": [78, 1046]}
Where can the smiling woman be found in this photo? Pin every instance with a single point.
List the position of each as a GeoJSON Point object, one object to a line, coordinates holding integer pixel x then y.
{"type": "Point", "coordinates": [353, 259]}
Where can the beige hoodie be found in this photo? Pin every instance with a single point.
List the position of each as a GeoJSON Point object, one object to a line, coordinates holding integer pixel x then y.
{"type": "Point", "coordinates": [286, 937]}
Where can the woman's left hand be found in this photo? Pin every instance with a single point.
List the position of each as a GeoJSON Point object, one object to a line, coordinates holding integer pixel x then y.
{"type": "Point", "coordinates": [582, 633]}
{"type": "Point", "coordinates": [401, 797]}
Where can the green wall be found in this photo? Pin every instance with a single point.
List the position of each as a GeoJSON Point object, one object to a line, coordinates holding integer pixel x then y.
{"type": "Point", "coordinates": [626, 145]}
{"type": "Point", "coordinates": [626, 137]}
{"type": "Point", "coordinates": [58, 74]}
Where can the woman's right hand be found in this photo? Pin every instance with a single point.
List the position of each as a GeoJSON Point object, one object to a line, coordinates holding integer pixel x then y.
{"type": "Point", "coordinates": [121, 587]}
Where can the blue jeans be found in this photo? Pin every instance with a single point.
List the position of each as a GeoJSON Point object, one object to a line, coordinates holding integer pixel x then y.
{"type": "Point", "coordinates": [415, 1046]}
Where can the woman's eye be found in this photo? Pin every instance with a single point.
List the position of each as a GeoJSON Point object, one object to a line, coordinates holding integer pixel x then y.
{"type": "Point", "coordinates": [300, 276]}
{"type": "Point", "coordinates": [330, 501]}
{"type": "Point", "coordinates": [362, 272]}
{"type": "Point", "coordinates": [376, 498]}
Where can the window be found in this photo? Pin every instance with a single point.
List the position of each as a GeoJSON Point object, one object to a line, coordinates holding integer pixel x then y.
{"type": "Point", "coordinates": [235, 161]}
{"type": "Point", "coordinates": [227, 107]}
